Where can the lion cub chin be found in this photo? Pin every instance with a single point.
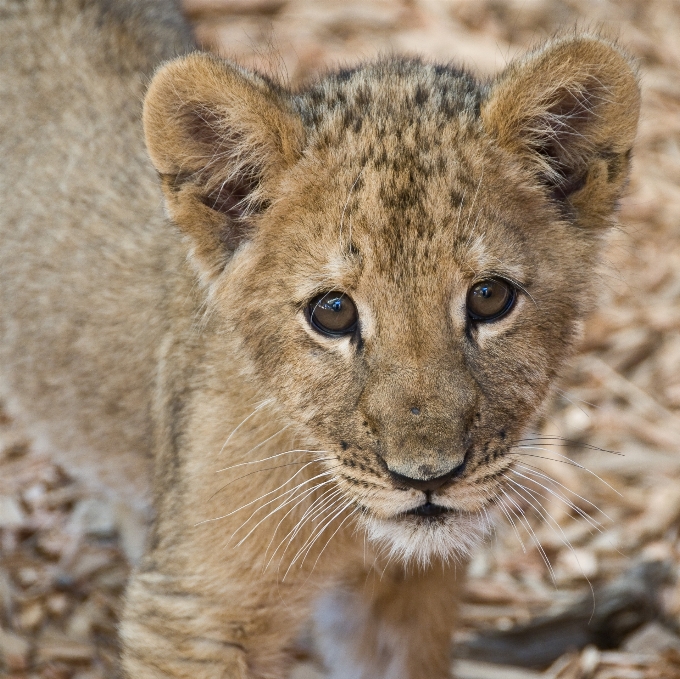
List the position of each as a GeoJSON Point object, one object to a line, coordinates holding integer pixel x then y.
{"type": "Point", "coordinates": [362, 297]}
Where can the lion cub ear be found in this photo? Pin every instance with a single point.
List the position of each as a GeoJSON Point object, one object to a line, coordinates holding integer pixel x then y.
{"type": "Point", "coordinates": [220, 138]}
{"type": "Point", "coordinates": [570, 111]}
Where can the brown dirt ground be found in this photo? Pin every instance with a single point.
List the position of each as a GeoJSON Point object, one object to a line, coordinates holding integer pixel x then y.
{"type": "Point", "coordinates": [64, 553]}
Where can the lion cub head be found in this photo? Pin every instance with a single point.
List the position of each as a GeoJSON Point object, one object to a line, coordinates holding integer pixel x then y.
{"type": "Point", "coordinates": [403, 254]}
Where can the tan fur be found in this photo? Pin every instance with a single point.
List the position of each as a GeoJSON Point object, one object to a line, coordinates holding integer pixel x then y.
{"type": "Point", "coordinates": [80, 206]}
{"type": "Point", "coordinates": [400, 183]}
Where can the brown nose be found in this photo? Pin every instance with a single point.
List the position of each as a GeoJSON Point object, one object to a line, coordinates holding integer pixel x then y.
{"type": "Point", "coordinates": [428, 484]}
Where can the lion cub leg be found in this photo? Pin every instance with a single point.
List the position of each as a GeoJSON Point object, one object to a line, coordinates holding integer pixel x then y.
{"type": "Point", "coordinates": [189, 628]}
{"type": "Point", "coordinates": [168, 633]}
{"type": "Point", "coordinates": [395, 624]}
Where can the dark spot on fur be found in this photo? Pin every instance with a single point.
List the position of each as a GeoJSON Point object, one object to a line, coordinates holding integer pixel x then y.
{"type": "Point", "coordinates": [174, 182]}
{"type": "Point", "coordinates": [456, 200]}
{"type": "Point", "coordinates": [347, 118]}
{"type": "Point", "coordinates": [401, 198]}
{"type": "Point", "coordinates": [492, 476]}
{"type": "Point", "coordinates": [381, 160]}
{"type": "Point", "coordinates": [176, 421]}
{"type": "Point", "coordinates": [477, 110]}
{"type": "Point", "coordinates": [316, 96]}
{"type": "Point", "coordinates": [362, 98]}
{"type": "Point", "coordinates": [343, 75]}
{"type": "Point", "coordinates": [616, 165]}
{"type": "Point", "coordinates": [422, 95]}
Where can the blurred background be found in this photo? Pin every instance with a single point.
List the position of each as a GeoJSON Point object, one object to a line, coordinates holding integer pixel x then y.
{"type": "Point", "coordinates": [585, 589]}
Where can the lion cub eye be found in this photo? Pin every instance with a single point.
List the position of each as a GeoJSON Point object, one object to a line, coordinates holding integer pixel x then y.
{"type": "Point", "coordinates": [490, 299]}
{"type": "Point", "coordinates": [333, 314]}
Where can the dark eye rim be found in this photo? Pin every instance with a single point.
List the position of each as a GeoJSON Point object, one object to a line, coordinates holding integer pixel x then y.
{"type": "Point", "coordinates": [505, 310]}
{"type": "Point", "coordinates": [323, 330]}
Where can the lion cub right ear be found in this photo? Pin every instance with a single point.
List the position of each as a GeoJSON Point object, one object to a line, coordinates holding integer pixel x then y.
{"type": "Point", "coordinates": [569, 111]}
{"type": "Point", "coordinates": [220, 137]}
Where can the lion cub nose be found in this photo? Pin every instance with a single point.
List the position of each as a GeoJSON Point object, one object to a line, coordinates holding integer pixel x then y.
{"type": "Point", "coordinates": [431, 484]}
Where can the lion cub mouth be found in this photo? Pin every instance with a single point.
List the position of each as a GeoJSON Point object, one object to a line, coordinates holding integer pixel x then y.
{"type": "Point", "coordinates": [429, 510]}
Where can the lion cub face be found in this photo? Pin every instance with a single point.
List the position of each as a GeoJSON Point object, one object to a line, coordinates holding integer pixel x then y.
{"type": "Point", "coordinates": [402, 255]}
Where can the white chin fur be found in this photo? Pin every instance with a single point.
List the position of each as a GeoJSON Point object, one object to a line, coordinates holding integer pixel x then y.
{"type": "Point", "coordinates": [418, 541]}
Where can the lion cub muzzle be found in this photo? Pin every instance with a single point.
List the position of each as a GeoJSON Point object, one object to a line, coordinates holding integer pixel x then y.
{"type": "Point", "coordinates": [422, 420]}
{"type": "Point", "coordinates": [430, 484]}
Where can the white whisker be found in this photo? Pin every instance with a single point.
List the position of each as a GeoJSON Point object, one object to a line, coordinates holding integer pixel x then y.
{"type": "Point", "coordinates": [548, 518]}
{"type": "Point", "coordinates": [272, 457]}
{"type": "Point", "coordinates": [335, 532]}
{"type": "Point", "coordinates": [506, 512]}
{"type": "Point", "coordinates": [306, 493]}
{"type": "Point", "coordinates": [534, 537]}
{"type": "Point", "coordinates": [316, 533]}
{"type": "Point", "coordinates": [268, 469]}
{"type": "Point", "coordinates": [567, 460]}
{"type": "Point", "coordinates": [298, 525]}
{"type": "Point", "coordinates": [264, 403]}
{"type": "Point", "coordinates": [283, 485]}
{"type": "Point", "coordinates": [325, 506]}
{"type": "Point", "coordinates": [259, 445]}
{"type": "Point", "coordinates": [575, 507]}
{"type": "Point", "coordinates": [592, 522]}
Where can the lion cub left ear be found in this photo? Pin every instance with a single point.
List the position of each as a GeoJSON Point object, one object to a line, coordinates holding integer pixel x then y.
{"type": "Point", "coordinates": [569, 111]}
{"type": "Point", "coordinates": [220, 138]}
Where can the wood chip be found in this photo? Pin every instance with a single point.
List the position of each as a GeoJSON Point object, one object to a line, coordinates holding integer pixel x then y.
{"type": "Point", "coordinates": [14, 651]}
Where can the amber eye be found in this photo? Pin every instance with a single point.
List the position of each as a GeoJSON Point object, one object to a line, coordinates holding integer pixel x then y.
{"type": "Point", "coordinates": [490, 299]}
{"type": "Point", "coordinates": [333, 314]}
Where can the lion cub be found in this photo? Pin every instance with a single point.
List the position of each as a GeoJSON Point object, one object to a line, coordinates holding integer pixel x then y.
{"type": "Point", "coordinates": [362, 295]}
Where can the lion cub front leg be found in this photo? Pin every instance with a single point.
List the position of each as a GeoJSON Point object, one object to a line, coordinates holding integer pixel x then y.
{"type": "Point", "coordinates": [395, 624]}
{"type": "Point", "coordinates": [183, 627]}
{"type": "Point", "coordinates": [168, 631]}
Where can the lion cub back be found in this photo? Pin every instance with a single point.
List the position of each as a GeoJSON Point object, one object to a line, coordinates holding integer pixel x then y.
{"type": "Point", "coordinates": [82, 270]}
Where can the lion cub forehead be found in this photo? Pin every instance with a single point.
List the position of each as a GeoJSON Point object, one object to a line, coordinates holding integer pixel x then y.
{"type": "Point", "coordinates": [398, 90]}
{"type": "Point", "coordinates": [402, 226]}
{"type": "Point", "coordinates": [379, 261]}
{"type": "Point", "coordinates": [398, 227]}
{"type": "Point", "coordinates": [395, 152]}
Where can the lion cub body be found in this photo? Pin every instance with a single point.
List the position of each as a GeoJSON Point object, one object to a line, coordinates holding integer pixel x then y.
{"type": "Point", "coordinates": [84, 299]}
{"type": "Point", "coordinates": [290, 462]}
